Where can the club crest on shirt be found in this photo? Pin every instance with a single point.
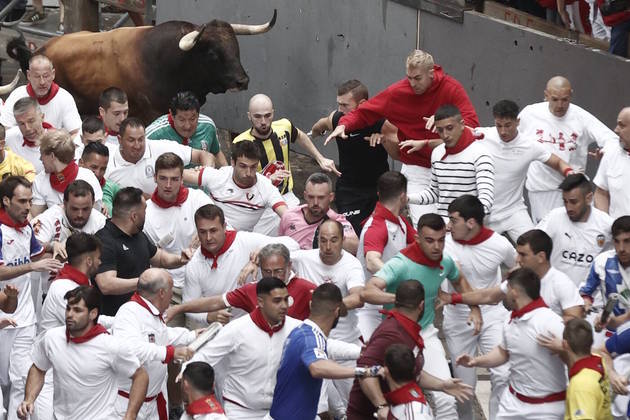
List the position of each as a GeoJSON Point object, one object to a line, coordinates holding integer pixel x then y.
{"type": "Point", "coordinates": [249, 196]}
{"type": "Point", "coordinates": [600, 240]}
{"type": "Point", "coordinates": [327, 279]}
{"type": "Point", "coordinates": [151, 338]}
{"type": "Point", "coordinates": [149, 171]}
{"type": "Point", "coordinates": [204, 145]}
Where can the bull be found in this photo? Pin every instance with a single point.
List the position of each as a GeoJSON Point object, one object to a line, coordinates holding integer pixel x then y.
{"type": "Point", "coordinates": [150, 63]}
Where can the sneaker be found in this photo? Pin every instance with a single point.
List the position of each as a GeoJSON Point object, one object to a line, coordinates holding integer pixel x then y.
{"type": "Point", "coordinates": [34, 17]}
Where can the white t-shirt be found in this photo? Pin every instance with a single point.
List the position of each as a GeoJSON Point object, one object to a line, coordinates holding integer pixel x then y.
{"type": "Point", "coordinates": [172, 229]}
{"type": "Point", "coordinates": [346, 274]}
{"type": "Point", "coordinates": [511, 161]}
{"type": "Point", "coordinates": [568, 137]}
{"type": "Point", "coordinates": [45, 194]}
{"type": "Point", "coordinates": [60, 112]}
{"type": "Point", "coordinates": [613, 175]}
{"type": "Point", "coordinates": [14, 141]}
{"type": "Point", "coordinates": [141, 174]}
{"type": "Point", "coordinates": [86, 374]}
{"type": "Point", "coordinates": [576, 244]}
{"type": "Point", "coordinates": [242, 207]}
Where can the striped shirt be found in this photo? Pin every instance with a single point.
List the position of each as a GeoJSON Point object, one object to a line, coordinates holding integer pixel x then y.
{"type": "Point", "coordinates": [470, 171]}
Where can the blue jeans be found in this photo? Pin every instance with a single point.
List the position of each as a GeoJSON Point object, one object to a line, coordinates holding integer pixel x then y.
{"type": "Point", "coordinates": [619, 39]}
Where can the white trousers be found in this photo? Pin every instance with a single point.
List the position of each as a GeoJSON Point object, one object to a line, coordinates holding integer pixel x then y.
{"type": "Point", "coordinates": [436, 364]}
{"type": "Point", "coordinates": [270, 221]}
{"type": "Point", "coordinates": [236, 412]}
{"type": "Point", "coordinates": [542, 202]}
{"type": "Point", "coordinates": [518, 223]}
{"type": "Point", "coordinates": [418, 180]}
{"type": "Point", "coordinates": [368, 320]}
{"type": "Point", "coordinates": [511, 408]}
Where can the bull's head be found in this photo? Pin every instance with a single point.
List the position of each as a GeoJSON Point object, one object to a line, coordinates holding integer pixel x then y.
{"type": "Point", "coordinates": [9, 88]}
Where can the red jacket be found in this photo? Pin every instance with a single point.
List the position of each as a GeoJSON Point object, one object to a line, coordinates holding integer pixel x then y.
{"type": "Point", "coordinates": [405, 109]}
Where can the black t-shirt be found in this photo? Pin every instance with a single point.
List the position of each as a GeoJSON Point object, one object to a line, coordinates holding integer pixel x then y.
{"type": "Point", "coordinates": [359, 163]}
{"type": "Point", "coordinates": [128, 255]}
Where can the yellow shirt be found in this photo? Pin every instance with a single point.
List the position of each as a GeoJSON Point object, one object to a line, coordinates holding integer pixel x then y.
{"type": "Point", "coordinates": [588, 394]}
{"type": "Point", "coordinates": [16, 165]}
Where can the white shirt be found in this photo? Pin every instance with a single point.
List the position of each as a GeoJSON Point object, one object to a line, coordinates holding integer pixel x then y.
{"type": "Point", "coordinates": [613, 175]}
{"type": "Point", "coordinates": [576, 244]}
{"type": "Point", "coordinates": [346, 274]}
{"type": "Point", "coordinates": [211, 416]}
{"type": "Point", "coordinates": [511, 161]}
{"type": "Point", "coordinates": [250, 357]}
{"type": "Point", "coordinates": [202, 280]}
{"type": "Point", "coordinates": [568, 137]}
{"type": "Point", "coordinates": [242, 207]}
{"type": "Point", "coordinates": [61, 111]}
{"type": "Point", "coordinates": [534, 370]}
{"type": "Point", "coordinates": [45, 194]}
{"type": "Point", "coordinates": [15, 143]}
{"type": "Point", "coordinates": [173, 229]}
{"type": "Point", "coordinates": [141, 174]}
{"type": "Point", "coordinates": [149, 337]}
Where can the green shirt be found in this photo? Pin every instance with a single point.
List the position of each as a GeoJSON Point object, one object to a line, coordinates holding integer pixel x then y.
{"type": "Point", "coordinates": [400, 268]}
{"type": "Point", "coordinates": [205, 137]}
{"type": "Point", "coordinates": [110, 189]}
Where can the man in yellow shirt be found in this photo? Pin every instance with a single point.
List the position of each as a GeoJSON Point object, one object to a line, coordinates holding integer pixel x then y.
{"type": "Point", "coordinates": [588, 394]}
{"type": "Point", "coordinates": [11, 163]}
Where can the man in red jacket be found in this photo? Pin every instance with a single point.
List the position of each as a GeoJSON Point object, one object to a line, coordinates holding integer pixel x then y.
{"type": "Point", "coordinates": [409, 104]}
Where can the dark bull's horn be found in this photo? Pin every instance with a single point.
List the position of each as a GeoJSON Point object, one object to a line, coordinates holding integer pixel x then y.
{"type": "Point", "coordinates": [8, 88]}
{"type": "Point", "coordinates": [254, 29]}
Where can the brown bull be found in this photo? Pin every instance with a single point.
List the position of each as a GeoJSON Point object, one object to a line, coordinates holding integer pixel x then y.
{"type": "Point", "coordinates": [151, 64]}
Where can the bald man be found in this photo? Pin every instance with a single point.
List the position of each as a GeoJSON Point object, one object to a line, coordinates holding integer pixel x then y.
{"type": "Point", "coordinates": [564, 129]}
{"type": "Point", "coordinates": [273, 139]}
{"type": "Point", "coordinates": [56, 103]}
{"type": "Point", "coordinates": [140, 323]}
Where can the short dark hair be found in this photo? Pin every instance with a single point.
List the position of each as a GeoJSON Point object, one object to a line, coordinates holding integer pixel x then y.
{"type": "Point", "coordinates": [505, 108]}
{"type": "Point", "coordinates": [574, 181]}
{"type": "Point", "coordinates": [125, 200]}
{"type": "Point", "coordinates": [201, 376]}
{"type": "Point", "coordinates": [527, 280]}
{"type": "Point", "coordinates": [538, 241]}
{"type": "Point", "coordinates": [469, 207]}
{"type": "Point", "coordinates": [409, 294]}
{"type": "Point", "coordinates": [111, 94]}
{"type": "Point", "coordinates": [95, 147]}
{"type": "Point", "coordinates": [246, 149]}
{"type": "Point", "coordinates": [210, 212]}
{"type": "Point", "coordinates": [431, 220]}
{"type": "Point", "coordinates": [78, 188]}
{"type": "Point", "coordinates": [447, 111]}
{"type": "Point", "coordinates": [88, 294]}
{"type": "Point", "coordinates": [319, 178]}
{"type": "Point", "coordinates": [3, 132]}
{"type": "Point", "coordinates": [80, 243]}
{"type": "Point", "coordinates": [9, 184]}
{"type": "Point", "coordinates": [132, 122]}
{"type": "Point", "coordinates": [579, 335]}
{"type": "Point", "coordinates": [359, 90]}
{"type": "Point", "coordinates": [620, 225]}
{"type": "Point", "coordinates": [400, 362]}
{"type": "Point", "coordinates": [184, 101]}
{"type": "Point", "coordinates": [390, 185]}
{"type": "Point", "coordinates": [169, 160]}
{"type": "Point", "coordinates": [92, 124]}
{"type": "Point", "coordinates": [265, 285]}
{"type": "Point", "coordinates": [326, 297]}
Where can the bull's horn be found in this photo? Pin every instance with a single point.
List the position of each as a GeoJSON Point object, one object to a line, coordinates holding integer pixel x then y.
{"type": "Point", "coordinates": [8, 88]}
{"type": "Point", "coordinates": [255, 29]}
{"type": "Point", "coordinates": [190, 39]}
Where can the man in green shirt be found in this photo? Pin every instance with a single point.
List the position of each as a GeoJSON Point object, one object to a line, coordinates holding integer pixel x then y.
{"type": "Point", "coordinates": [185, 125]}
{"type": "Point", "coordinates": [424, 261]}
{"type": "Point", "coordinates": [95, 157]}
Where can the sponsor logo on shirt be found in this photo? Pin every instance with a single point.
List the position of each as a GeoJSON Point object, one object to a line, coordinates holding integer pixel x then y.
{"type": "Point", "coordinates": [292, 226]}
{"type": "Point", "coordinates": [19, 261]}
{"type": "Point", "coordinates": [125, 248]}
{"type": "Point", "coordinates": [149, 171]}
{"type": "Point", "coordinates": [249, 196]}
{"type": "Point", "coordinates": [577, 256]}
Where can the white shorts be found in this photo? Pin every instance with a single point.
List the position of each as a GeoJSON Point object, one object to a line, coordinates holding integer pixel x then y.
{"type": "Point", "coordinates": [270, 221]}
{"type": "Point", "coordinates": [542, 202]}
{"type": "Point", "coordinates": [511, 408]}
{"type": "Point", "coordinates": [418, 180]}
{"type": "Point", "coordinates": [236, 412]}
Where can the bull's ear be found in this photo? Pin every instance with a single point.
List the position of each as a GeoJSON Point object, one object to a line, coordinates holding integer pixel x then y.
{"type": "Point", "coordinates": [189, 40]}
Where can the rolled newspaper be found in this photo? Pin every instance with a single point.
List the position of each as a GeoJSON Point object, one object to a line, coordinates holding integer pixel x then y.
{"type": "Point", "coordinates": [207, 335]}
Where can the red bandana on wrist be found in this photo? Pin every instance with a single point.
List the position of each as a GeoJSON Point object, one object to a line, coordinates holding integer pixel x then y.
{"type": "Point", "coordinates": [464, 141]}
{"type": "Point", "coordinates": [405, 394]}
{"type": "Point", "coordinates": [5, 219]}
{"type": "Point", "coordinates": [534, 304]}
{"type": "Point", "coordinates": [204, 405]}
{"type": "Point", "coordinates": [415, 254]}
{"type": "Point", "coordinates": [185, 140]}
{"type": "Point", "coordinates": [230, 235]}
{"type": "Point", "coordinates": [138, 299]}
{"type": "Point", "coordinates": [71, 273]}
{"type": "Point", "coordinates": [97, 329]}
{"type": "Point", "coordinates": [593, 362]}
{"type": "Point", "coordinates": [262, 323]}
{"type": "Point", "coordinates": [54, 88]}
{"type": "Point", "coordinates": [409, 325]}
{"type": "Point", "coordinates": [31, 143]}
{"type": "Point", "coordinates": [483, 235]}
{"type": "Point", "coordinates": [61, 180]}
{"type": "Point", "coordinates": [182, 195]}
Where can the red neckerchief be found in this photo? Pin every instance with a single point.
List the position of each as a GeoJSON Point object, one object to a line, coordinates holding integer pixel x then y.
{"type": "Point", "coordinates": [71, 273]}
{"type": "Point", "coordinates": [483, 235]}
{"type": "Point", "coordinates": [182, 195]}
{"type": "Point", "coordinates": [102, 181]}
{"type": "Point", "coordinates": [593, 362]}
{"type": "Point", "coordinates": [61, 180]}
{"type": "Point", "coordinates": [138, 299]}
{"type": "Point", "coordinates": [110, 132]}
{"type": "Point", "coordinates": [185, 140]}
{"type": "Point", "coordinates": [54, 88]}
{"type": "Point", "coordinates": [230, 235]}
{"type": "Point", "coordinates": [405, 394]}
{"type": "Point", "coordinates": [534, 304]}
{"type": "Point", "coordinates": [467, 138]}
{"type": "Point", "coordinates": [97, 329]}
{"type": "Point", "coordinates": [5, 219]}
{"type": "Point", "coordinates": [31, 143]}
{"type": "Point", "coordinates": [262, 323]}
{"type": "Point", "coordinates": [204, 405]}
{"type": "Point", "coordinates": [415, 254]}
{"type": "Point", "coordinates": [409, 325]}
{"type": "Point", "coordinates": [382, 212]}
